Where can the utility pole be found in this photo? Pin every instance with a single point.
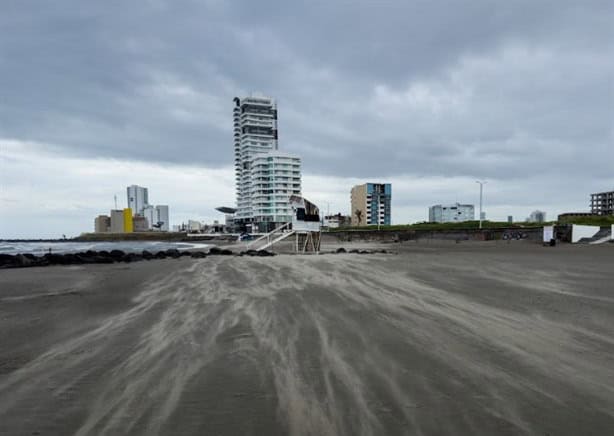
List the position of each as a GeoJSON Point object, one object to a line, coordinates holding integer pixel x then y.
{"type": "Point", "coordinates": [482, 183]}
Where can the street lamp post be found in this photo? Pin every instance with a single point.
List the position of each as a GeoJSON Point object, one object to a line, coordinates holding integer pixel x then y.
{"type": "Point", "coordinates": [327, 211]}
{"type": "Point", "coordinates": [481, 183]}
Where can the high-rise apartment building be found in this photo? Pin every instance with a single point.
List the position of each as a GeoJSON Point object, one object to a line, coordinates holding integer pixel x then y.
{"type": "Point", "coordinates": [602, 203]}
{"type": "Point", "coordinates": [451, 213]}
{"type": "Point", "coordinates": [371, 204]}
{"type": "Point", "coordinates": [137, 199]}
{"type": "Point", "coordinates": [265, 178]}
{"type": "Point", "coordinates": [275, 177]}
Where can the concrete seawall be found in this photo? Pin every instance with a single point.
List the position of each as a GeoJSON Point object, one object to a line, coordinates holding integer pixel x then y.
{"type": "Point", "coordinates": [531, 234]}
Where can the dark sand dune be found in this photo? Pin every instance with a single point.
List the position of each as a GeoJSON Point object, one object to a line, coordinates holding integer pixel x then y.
{"type": "Point", "coordinates": [470, 339]}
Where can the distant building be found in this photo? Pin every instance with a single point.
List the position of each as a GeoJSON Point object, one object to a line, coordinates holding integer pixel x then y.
{"type": "Point", "coordinates": [451, 213]}
{"type": "Point", "coordinates": [510, 219]}
{"type": "Point", "coordinates": [229, 217]}
{"type": "Point", "coordinates": [102, 224]}
{"type": "Point", "coordinates": [163, 218]}
{"type": "Point", "coordinates": [157, 218]}
{"type": "Point", "coordinates": [602, 203]}
{"type": "Point", "coordinates": [371, 204]}
{"type": "Point", "coordinates": [537, 216]}
{"type": "Point", "coordinates": [137, 197]}
{"type": "Point", "coordinates": [151, 214]}
{"type": "Point", "coordinates": [229, 222]}
{"type": "Point", "coordinates": [128, 225]}
{"type": "Point", "coordinates": [194, 226]}
{"type": "Point", "coordinates": [336, 221]}
{"type": "Point", "coordinates": [140, 223]}
{"type": "Point", "coordinates": [117, 221]}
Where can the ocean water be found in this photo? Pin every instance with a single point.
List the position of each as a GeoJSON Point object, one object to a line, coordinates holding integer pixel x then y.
{"type": "Point", "coordinates": [40, 248]}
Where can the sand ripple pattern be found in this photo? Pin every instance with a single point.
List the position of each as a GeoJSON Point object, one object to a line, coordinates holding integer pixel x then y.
{"type": "Point", "coordinates": [337, 345]}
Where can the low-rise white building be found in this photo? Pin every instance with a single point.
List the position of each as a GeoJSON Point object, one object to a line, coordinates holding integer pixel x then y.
{"type": "Point", "coordinates": [451, 213]}
{"type": "Point", "coordinates": [336, 221]}
{"type": "Point", "coordinates": [194, 226]}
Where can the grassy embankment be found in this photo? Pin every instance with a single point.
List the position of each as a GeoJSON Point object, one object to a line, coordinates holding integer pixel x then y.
{"type": "Point", "coordinates": [474, 225]}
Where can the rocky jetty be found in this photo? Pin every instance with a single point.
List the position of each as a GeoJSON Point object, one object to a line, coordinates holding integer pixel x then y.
{"type": "Point", "coordinates": [92, 257]}
{"type": "Point", "coordinates": [116, 256]}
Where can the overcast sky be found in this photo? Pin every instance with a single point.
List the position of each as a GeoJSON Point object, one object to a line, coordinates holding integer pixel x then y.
{"type": "Point", "coordinates": [428, 95]}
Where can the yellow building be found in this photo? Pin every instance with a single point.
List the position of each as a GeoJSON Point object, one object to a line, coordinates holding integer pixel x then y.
{"type": "Point", "coordinates": [128, 225]}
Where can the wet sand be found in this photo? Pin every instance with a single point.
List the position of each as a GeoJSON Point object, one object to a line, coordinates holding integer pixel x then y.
{"type": "Point", "coordinates": [468, 339]}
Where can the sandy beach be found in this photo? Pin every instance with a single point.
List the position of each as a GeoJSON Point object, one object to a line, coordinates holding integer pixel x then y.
{"type": "Point", "coordinates": [433, 339]}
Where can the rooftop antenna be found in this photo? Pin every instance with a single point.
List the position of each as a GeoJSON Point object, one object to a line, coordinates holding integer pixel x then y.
{"type": "Point", "coordinates": [115, 198]}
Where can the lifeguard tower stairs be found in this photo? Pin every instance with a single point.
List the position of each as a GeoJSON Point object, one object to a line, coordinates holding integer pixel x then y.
{"type": "Point", "coordinates": [305, 227]}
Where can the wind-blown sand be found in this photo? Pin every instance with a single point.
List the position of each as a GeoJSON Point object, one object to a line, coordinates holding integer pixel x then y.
{"type": "Point", "coordinates": [456, 339]}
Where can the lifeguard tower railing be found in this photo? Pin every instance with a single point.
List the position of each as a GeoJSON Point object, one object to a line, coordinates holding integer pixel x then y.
{"type": "Point", "coordinates": [305, 226]}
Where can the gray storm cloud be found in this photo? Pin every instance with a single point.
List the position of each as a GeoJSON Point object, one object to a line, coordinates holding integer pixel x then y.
{"type": "Point", "coordinates": [425, 88]}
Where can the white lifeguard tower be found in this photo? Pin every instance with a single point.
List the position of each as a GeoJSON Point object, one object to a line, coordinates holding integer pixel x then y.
{"type": "Point", "coordinates": [305, 226]}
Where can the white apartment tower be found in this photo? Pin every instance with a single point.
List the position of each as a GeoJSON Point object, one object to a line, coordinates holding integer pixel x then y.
{"type": "Point", "coordinates": [275, 176]}
{"type": "Point", "coordinates": [137, 199]}
{"type": "Point", "coordinates": [265, 178]}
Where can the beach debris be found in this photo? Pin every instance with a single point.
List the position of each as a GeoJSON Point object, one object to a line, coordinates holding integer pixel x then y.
{"type": "Point", "coordinates": [357, 251]}
{"type": "Point", "coordinates": [257, 253]}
